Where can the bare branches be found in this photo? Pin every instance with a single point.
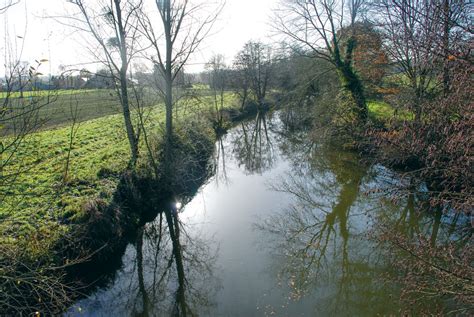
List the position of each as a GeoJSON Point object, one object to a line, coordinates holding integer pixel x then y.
{"type": "Point", "coordinates": [7, 5]}
{"type": "Point", "coordinates": [419, 36]}
{"type": "Point", "coordinates": [314, 23]}
{"type": "Point", "coordinates": [118, 43]}
{"type": "Point", "coordinates": [181, 28]}
{"type": "Point", "coordinates": [318, 26]}
{"type": "Point", "coordinates": [254, 68]}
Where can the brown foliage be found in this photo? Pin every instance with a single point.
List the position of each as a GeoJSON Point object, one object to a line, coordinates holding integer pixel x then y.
{"type": "Point", "coordinates": [370, 60]}
{"type": "Point", "coordinates": [441, 146]}
{"type": "Point", "coordinates": [432, 272]}
{"type": "Point", "coordinates": [33, 283]}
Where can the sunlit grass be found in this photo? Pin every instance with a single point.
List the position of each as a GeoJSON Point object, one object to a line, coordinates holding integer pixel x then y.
{"type": "Point", "coordinates": [40, 197]}
{"type": "Point", "coordinates": [61, 107]}
{"type": "Point", "coordinates": [383, 112]}
{"type": "Point", "coordinates": [17, 94]}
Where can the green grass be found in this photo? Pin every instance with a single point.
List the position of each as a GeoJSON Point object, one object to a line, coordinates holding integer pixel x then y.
{"type": "Point", "coordinates": [201, 87]}
{"type": "Point", "coordinates": [58, 108]}
{"type": "Point", "coordinates": [37, 198]}
{"type": "Point", "coordinates": [402, 80]}
{"type": "Point", "coordinates": [383, 112]}
{"type": "Point", "coordinates": [37, 195]}
{"type": "Point", "coordinates": [33, 93]}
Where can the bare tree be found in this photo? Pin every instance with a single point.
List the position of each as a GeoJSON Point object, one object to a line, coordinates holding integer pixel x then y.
{"type": "Point", "coordinates": [410, 36]}
{"type": "Point", "coordinates": [455, 16]}
{"type": "Point", "coordinates": [254, 61]}
{"type": "Point", "coordinates": [218, 80]}
{"type": "Point", "coordinates": [73, 117]}
{"type": "Point", "coordinates": [113, 25]}
{"type": "Point", "coordinates": [422, 38]}
{"type": "Point", "coordinates": [19, 111]}
{"type": "Point", "coordinates": [315, 26]}
{"type": "Point", "coordinates": [182, 27]}
{"type": "Point", "coordinates": [241, 82]}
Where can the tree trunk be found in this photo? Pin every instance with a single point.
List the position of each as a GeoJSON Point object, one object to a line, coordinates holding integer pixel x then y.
{"type": "Point", "coordinates": [169, 120]}
{"type": "Point", "coordinates": [169, 86]}
{"type": "Point", "coordinates": [141, 277]}
{"type": "Point", "coordinates": [173, 227]}
{"type": "Point", "coordinates": [349, 79]}
{"type": "Point", "coordinates": [132, 138]}
{"type": "Point", "coordinates": [128, 121]}
{"type": "Point", "coordinates": [352, 84]}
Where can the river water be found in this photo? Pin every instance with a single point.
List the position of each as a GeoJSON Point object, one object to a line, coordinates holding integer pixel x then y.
{"type": "Point", "coordinates": [284, 227]}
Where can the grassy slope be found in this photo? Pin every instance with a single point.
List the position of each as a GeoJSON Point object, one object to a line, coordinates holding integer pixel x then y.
{"type": "Point", "coordinates": [39, 198]}
{"type": "Point", "coordinates": [16, 94]}
{"type": "Point", "coordinates": [56, 106]}
{"type": "Point", "coordinates": [383, 112]}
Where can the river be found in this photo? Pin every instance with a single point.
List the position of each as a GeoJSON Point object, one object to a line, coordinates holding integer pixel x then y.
{"type": "Point", "coordinates": [285, 226]}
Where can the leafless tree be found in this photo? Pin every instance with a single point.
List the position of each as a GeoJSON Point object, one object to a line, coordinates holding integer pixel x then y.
{"type": "Point", "coordinates": [254, 149]}
{"type": "Point", "coordinates": [181, 28]}
{"type": "Point", "coordinates": [74, 127]}
{"type": "Point", "coordinates": [241, 83]}
{"type": "Point", "coordinates": [113, 25]}
{"type": "Point", "coordinates": [19, 112]}
{"type": "Point", "coordinates": [316, 26]}
{"type": "Point", "coordinates": [407, 32]}
{"type": "Point", "coordinates": [218, 80]}
{"type": "Point", "coordinates": [420, 36]}
{"type": "Point", "coordinates": [254, 62]}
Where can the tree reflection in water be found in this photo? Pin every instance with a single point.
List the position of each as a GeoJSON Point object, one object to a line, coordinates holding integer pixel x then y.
{"type": "Point", "coordinates": [321, 240]}
{"type": "Point", "coordinates": [166, 272]}
{"type": "Point", "coordinates": [252, 145]}
{"type": "Point", "coordinates": [320, 249]}
{"type": "Point", "coordinates": [181, 269]}
{"type": "Point", "coordinates": [219, 162]}
{"type": "Point", "coordinates": [313, 235]}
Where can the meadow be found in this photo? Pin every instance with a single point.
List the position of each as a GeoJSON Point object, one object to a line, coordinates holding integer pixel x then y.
{"type": "Point", "coordinates": [40, 199]}
{"type": "Point", "coordinates": [61, 107]}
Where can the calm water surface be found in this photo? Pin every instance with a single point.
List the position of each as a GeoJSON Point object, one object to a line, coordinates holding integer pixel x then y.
{"type": "Point", "coordinates": [281, 228]}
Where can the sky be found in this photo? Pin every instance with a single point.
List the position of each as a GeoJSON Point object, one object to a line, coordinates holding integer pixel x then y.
{"type": "Point", "coordinates": [45, 38]}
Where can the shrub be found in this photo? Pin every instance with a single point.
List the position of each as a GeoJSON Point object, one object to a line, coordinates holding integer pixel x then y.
{"type": "Point", "coordinates": [440, 148]}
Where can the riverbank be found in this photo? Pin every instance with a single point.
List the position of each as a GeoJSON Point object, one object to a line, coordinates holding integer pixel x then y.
{"type": "Point", "coordinates": [87, 220]}
{"type": "Point", "coordinates": [284, 225]}
{"type": "Point", "coordinates": [90, 216]}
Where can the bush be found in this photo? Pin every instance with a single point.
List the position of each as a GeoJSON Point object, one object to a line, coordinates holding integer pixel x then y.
{"type": "Point", "coordinates": [192, 146]}
{"type": "Point", "coordinates": [440, 148]}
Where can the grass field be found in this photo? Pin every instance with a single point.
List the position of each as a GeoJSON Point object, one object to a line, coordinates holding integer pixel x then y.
{"type": "Point", "coordinates": [32, 93]}
{"type": "Point", "coordinates": [58, 108]}
{"type": "Point", "coordinates": [38, 200]}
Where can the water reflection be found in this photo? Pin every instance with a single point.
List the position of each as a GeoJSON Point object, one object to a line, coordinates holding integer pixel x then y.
{"type": "Point", "coordinates": [316, 205]}
{"type": "Point", "coordinates": [219, 168]}
{"type": "Point", "coordinates": [319, 237]}
{"type": "Point", "coordinates": [166, 272]}
{"type": "Point", "coordinates": [321, 240]}
{"type": "Point", "coordinates": [252, 146]}
{"type": "Point", "coordinates": [413, 218]}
